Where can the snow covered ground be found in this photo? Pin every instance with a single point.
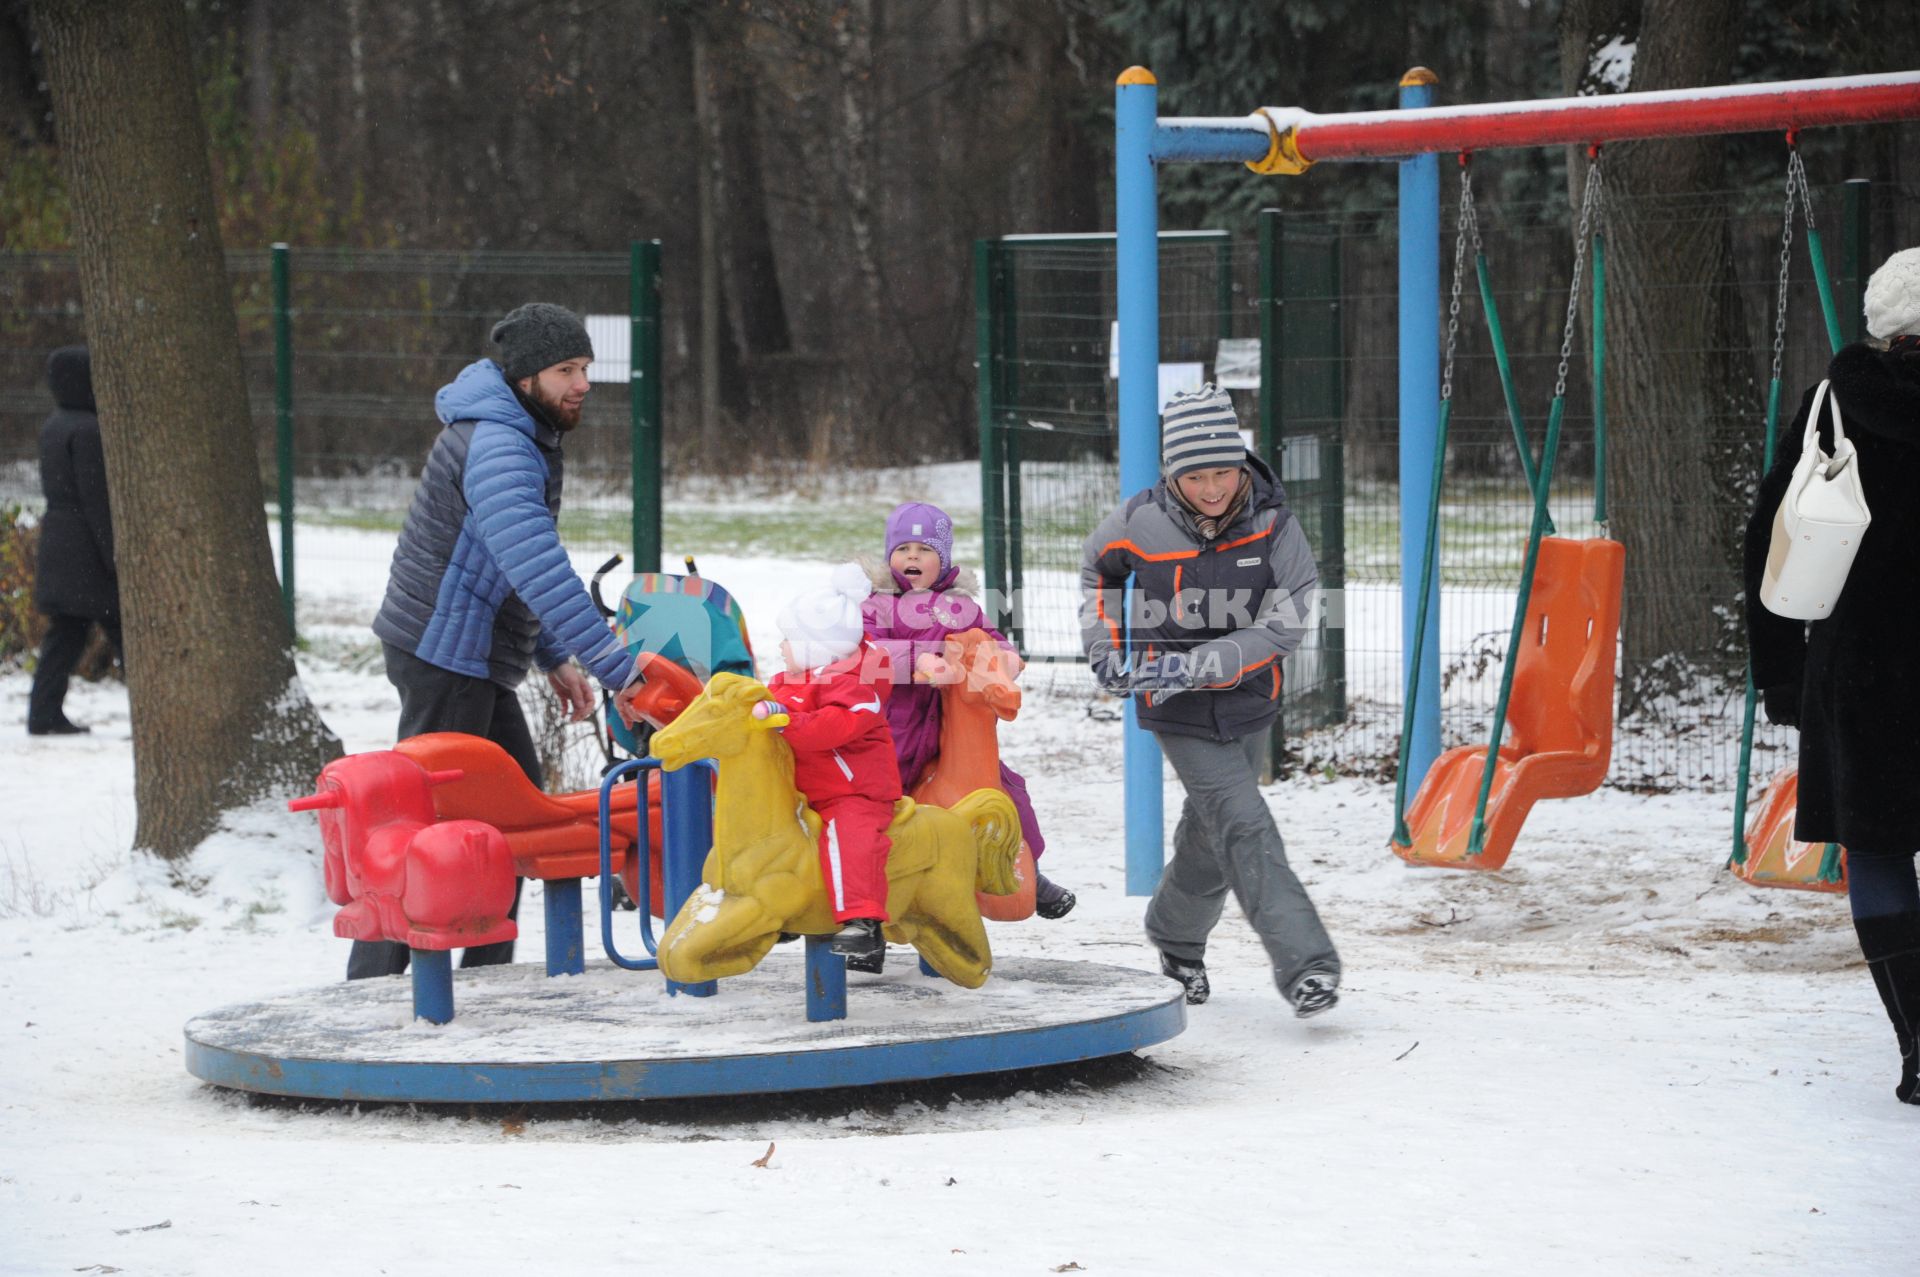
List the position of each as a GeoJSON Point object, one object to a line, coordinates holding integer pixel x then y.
{"type": "Point", "coordinates": [1612, 1057]}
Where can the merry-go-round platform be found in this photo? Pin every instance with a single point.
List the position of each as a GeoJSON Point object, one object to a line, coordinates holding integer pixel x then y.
{"type": "Point", "coordinates": [523, 1037]}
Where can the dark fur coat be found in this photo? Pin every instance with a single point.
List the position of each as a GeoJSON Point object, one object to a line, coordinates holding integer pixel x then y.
{"type": "Point", "coordinates": [1858, 671]}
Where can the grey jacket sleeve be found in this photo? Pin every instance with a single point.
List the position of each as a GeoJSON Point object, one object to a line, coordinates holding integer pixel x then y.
{"type": "Point", "coordinates": [1285, 616]}
{"type": "Point", "coordinates": [1105, 564]}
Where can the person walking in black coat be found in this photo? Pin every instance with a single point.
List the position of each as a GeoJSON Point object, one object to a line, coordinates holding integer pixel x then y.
{"type": "Point", "coordinates": [74, 582]}
{"type": "Point", "coordinates": [1851, 682]}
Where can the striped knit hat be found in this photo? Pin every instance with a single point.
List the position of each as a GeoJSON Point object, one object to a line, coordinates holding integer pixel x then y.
{"type": "Point", "coordinates": [1199, 431]}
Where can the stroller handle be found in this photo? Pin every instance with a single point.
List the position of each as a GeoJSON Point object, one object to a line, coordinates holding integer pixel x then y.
{"type": "Point", "coordinates": [594, 587]}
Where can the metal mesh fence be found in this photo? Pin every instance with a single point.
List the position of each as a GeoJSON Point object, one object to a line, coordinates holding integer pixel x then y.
{"type": "Point", "coordinates": [1054, 414]}
{"type": "Point", "coordinates": [375, 334]}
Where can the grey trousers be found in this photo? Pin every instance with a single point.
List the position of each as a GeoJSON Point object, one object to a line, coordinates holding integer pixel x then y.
{"type": "Point", "coordinates": [1226, 840]}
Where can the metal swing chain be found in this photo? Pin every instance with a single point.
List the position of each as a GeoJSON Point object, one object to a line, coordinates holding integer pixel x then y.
{"type": "Point", "coordinates": [1590, 214]}
{"type": "Point", "coordinates": [1467, 220]}
{"type": "Point", "coordinates": [1796, 174]}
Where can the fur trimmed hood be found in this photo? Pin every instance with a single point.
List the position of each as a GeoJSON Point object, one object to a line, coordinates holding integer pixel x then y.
{"type": "Point", "coordinates": [965, 580]}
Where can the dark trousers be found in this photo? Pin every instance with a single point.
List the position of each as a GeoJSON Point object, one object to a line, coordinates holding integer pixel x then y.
{"type": "Point", "coordinates": [60, 653]}
{"type": "Point", "coordinates": [1879, 884]}
{"type": "Point", "coordinates": [437, 700]}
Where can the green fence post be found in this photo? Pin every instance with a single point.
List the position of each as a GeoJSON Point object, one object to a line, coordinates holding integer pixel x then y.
{"type": "Point", "coordinates": [643, 397]}
{"type": "Point", "coordinates": [1333, 500]}
{"type": "Point", "coordinates": [1856, 254]}
{"type": "Point", "coordinates": [1269, 439]}
{"type": "Point", "coordinates": [1223, 288]}
{"type": "Point", "coordinates": [1006, 367]}
{"type": "Point", "coordinates": [992, 477]}
{"type": "Point", "coordinates": [283, 419]}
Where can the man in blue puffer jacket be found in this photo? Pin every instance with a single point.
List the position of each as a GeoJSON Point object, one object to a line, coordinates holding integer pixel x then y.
{"type": "Point", "coordinates": [481, 587]}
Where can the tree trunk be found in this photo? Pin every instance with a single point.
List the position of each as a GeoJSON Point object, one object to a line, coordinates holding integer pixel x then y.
{"type": "Point", "coordinates": [706, 166]}
{"type": "Point", "coordinates": [1677, 365]}
{"type": "Point", "coordinates": [219, 716]}
{"type": "Point", "coordinates": [757, 312]}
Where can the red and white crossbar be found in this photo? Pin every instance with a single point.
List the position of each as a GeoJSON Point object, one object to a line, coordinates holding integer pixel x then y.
{"type": "Point", "coordinates": [1300, 138]}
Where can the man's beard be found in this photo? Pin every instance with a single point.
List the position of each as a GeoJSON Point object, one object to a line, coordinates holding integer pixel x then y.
{"type": "Point", "coordinates": [557, 414]}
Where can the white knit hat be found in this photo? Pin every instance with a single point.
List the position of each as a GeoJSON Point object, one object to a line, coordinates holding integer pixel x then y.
{"type": "Point", "coordinates": [1893, 296]}
{"type": "Point", "coordinates": [822, 626]}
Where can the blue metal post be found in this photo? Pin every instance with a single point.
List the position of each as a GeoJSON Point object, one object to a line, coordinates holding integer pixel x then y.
{"type": "Point", "coordinates": [826, 981]}
{"type": "Point", "coordinates": [566, 943]}
{"type": "Point", "coordinates": [433, 985]}
{"type": "Point", "coordinates": [686, 826]}
{"type": "Point", "coordinates": [1136, 250]}
{"type": "Point", "coordinates": [1419, 420]}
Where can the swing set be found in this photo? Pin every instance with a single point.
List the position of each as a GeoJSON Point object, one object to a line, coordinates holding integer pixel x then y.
{"type": "Point", "coordinates": [1552, 730]}
{"type": "Point", "coordinates": [1557, 689]}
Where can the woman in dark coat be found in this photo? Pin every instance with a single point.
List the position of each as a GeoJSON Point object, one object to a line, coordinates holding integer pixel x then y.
{"type": "Point", "coordinates": [74, 579]}
{"type": "Point", "coordinates": [1851, 682]}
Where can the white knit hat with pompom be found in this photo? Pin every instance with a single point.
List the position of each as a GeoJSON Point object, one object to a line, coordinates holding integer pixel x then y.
{"type": "Point", "coordinates": [1893, 296]}
{"type": "Point", "coordinates": [822, 626]}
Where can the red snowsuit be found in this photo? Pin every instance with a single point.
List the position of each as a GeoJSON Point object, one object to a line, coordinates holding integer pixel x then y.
{"type": "Point", "coordinates": [843, 763]}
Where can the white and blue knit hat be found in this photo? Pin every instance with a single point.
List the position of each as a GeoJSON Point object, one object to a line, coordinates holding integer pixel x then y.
{"type": "Point", "coordinates": [1199, 431]}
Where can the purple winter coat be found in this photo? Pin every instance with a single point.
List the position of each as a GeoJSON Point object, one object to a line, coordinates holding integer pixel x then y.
{"type": "Point", "coordinates": [910, 624]}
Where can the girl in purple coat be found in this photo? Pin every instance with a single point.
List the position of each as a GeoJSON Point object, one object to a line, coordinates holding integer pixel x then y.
{"type": "Point", "coordinates": [920, 598]}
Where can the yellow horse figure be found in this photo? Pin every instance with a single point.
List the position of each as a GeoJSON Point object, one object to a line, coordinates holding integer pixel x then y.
{"type": "Point", "coordinates": [763, 875]}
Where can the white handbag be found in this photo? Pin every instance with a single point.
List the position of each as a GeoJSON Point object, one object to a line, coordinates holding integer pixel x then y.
{"type": "Point", "coordinates": [1818, 527]}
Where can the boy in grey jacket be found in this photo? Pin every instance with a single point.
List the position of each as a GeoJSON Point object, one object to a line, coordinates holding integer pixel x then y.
{"type": "Point", "coordinates": [1223, 588]}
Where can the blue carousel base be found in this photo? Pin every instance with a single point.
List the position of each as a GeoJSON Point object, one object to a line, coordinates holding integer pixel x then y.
{"type": "Point", "coordinates": [522, 1037]}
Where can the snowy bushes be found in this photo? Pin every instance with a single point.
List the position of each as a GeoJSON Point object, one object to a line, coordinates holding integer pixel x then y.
{"type": "Point", "coordinates": [20, 625]}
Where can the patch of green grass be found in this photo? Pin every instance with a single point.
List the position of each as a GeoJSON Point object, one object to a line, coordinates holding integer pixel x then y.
{"type": "Point", "coordinates": [822, 527]}
{"type": "Point", "coordinates": [1483, 529]}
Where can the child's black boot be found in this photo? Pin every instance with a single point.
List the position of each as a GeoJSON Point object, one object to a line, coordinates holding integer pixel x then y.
{"type": "Point", "coordinates": [858, 938]}
{"type": "Point", "coordinates": [1191, 973]}
{"type": "Point", "coordinates": [1050, 899]}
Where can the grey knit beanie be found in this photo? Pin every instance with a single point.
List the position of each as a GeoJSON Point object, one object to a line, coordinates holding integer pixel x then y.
{"type": "Point", "coordinates": [1199, 431]}
{"type": "Point", "coordinates": [539, 335]}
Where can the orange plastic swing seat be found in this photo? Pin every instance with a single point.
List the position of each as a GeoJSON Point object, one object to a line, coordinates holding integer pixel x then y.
{"type": "Point", "coordinates": [1775, 858]}
{"type": "Point", "coordinates": [1559, 737]}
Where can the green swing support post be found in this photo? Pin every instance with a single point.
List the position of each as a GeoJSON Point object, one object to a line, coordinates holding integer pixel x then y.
{"type": "Point", "coordinates": [1497, 334]}
{"type": "Point", "coordinates": [1590, 211]}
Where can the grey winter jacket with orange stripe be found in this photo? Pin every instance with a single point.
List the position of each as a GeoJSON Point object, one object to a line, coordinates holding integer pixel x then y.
{"type": "Point", "coordinates": [1233, 605]}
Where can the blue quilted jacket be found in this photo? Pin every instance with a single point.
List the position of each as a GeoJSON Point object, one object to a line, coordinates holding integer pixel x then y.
{"type": "Point", "coordinates": [480, 584]}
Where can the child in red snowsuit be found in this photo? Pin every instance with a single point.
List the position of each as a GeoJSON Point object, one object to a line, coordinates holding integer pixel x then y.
{"type": "Point", "coordinates": [833, 693]}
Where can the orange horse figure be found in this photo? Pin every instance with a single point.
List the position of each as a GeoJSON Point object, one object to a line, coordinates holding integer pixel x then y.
{"type": "Point", "coordinates": [977, 693]}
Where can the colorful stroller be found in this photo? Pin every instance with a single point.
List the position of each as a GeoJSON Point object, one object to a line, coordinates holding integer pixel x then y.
{"type": "Point", "coordinates": [687, 619]}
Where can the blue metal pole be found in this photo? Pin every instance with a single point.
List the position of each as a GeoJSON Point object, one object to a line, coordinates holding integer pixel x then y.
{"type": "Point", "coordinates": [1136, 250]}
{"type": "Point", "coordinates": [1419, 420]}
{"type": "Point", "coordinates": [433, 985]}
{"type": "Point", "coordinates": [566, 942]}
{"type": "Point", "coordinates": [686, 826]}
{"type": "Point", "coordinates": [826, 981]}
